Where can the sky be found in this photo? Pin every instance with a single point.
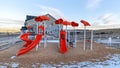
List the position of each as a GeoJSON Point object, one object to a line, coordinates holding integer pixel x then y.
{"type": "Point", "coordinates": [96, 12]}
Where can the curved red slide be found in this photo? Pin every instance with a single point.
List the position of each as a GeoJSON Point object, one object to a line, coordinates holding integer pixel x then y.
{"type": "Point", "coordinates": [31, 46]}
{"type": "Point", "coordinates": [63, 47]}
{"type": "Point", "coordinates": [24, 37]}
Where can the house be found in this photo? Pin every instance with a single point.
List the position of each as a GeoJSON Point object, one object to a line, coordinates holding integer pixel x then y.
{"type": "Point", "coordinates": [51, 29]}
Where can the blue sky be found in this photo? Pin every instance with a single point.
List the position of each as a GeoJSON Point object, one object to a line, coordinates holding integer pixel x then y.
{"type": "Point", "coordinates": [97, 12]}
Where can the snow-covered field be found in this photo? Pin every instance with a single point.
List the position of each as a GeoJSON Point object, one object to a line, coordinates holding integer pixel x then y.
{"type": "Point", "coordinates": [113, 43]}
{"type": "Point", "coordinates": [113, 62]}
{"type": "Point", "coordinates": [9, 39]}
{"type": "Point", "coordinates": [5, 41]}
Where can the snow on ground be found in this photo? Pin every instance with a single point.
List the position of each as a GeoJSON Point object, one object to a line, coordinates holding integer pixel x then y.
{"type": "Point", "coordinates": [12, 57]}
{"type": "Point", "coordinates": [8, 40]}
{"type": "Point", "coordinates": [5, 41]}
{"type": "Point", "coordinates": [11, 65]}
{"type": "Point", "coordinates": [113, 62]}
{"type": "Point", "coordinates": [113, 43]}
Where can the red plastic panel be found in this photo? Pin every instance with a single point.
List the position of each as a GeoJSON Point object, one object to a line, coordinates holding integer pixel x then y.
{"type": "Point", "coordinates": [41, 18]}
{"type": "Point", "coordinates": [63, 46]}
{"type": "Point", "coordinates": [41, 29]}
{"type": "Point", "coordinates": [31, 46]}
{"type": "Point", "coordinates": [66, 23]}
{"type": "Point", "coordinates": [59, 21]}
{"type": "Point", "coordinates": [74, 24]}
{"type": "Point", "coordinates": [85, 23]}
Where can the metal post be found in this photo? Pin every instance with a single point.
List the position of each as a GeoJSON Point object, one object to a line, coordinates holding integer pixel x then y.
{"type": "Point", "coordinates": [84, 37]}
{"type": "Point", "coordinates": [37, 33]}
{"type": "Point", "coordinates": [66, 36]}
{"type": "Point", "coordinates": [91, 40]}
{"type": "Point", "coordinates": [45, 38]}
{"type": "Point", "coordinates": [110, 40]}
{"type": "Point", "coordinates": [75, 36]}
{"type": "Point", "coordinates": [59, 37]}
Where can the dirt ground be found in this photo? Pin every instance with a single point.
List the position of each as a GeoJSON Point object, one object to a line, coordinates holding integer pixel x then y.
{"type": "Point", "coordinates": [51, 54]}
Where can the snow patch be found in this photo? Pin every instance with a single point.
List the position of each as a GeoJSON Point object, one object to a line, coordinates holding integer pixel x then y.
{"type": "Point", "coordinates": [14, 65]}
{"type": "Point", "coordinates": [3, 66]}
{"type": "Point", "coordinates": [12, 57]}
{"type": "Point", "coordinates": [113, 62]}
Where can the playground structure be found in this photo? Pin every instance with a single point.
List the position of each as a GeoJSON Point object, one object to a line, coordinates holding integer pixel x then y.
{"type": "Point", "coordinates": [34, 32]}
{"type": "Point", "coordinates": [30, 44]}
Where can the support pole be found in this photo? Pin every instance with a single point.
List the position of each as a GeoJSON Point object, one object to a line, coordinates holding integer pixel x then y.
{"type": "Point", "coordinates": [45, 38]}
{"type": "Point", "coordinates": [75, 36]}
{"type": "Point", "coordinates": [37, 33]}
{"type": "Point", "coordinates": [84, 37]}
{"type": "Point", "coordinates": [110, 40]}
{"type": "Point", "coordinates": [45, 41]}
{"type": "Point", "coordinates": [59, 37]}
{"type": "Point", "coordinates": [91, 40]}
{"type": "Point", "coordinates": [66, 36]}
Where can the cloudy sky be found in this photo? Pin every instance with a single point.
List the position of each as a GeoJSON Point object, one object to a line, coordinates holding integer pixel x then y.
{"type": "Point", "coordinates": [97, 12]}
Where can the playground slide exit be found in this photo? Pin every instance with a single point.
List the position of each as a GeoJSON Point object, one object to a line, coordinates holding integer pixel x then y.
{"type": "Point", "coordinates": [30, 46]}
{"type": "Point", "coordinates": [63, 46]}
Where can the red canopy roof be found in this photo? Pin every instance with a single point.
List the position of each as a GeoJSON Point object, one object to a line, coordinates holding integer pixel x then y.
{"type": "Point", "coordinates": [74, 24]}
{"type": "Point", "coordinates": [85, 23]}
{"type": "Point", "coordinates": [66, 23]}
{"type": "Point", "coordinates": [41, 18]}
{"type": "Point", "coordinates": [59, 21]}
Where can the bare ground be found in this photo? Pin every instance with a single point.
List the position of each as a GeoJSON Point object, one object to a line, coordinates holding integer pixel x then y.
{"type": "Point", "coordinates": [51, 54]}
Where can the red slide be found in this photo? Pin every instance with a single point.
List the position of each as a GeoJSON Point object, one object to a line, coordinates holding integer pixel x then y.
{"type": "Point", "coordinates": [31, 46]}
{"type": "Point", "coordinates": [24, 37]}
{"type": "Point", "coordinates": [63, 47]}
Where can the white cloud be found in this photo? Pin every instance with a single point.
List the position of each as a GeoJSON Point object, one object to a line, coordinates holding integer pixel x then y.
{"type": "Point", "coordinates": [52, 11]}
{"type": "Point", "coordinates": [91, 4]}
{"type": "Point", "coordinates": [108, 19]}
{"type": "Point", "coordinates": [10, 23]}
{"type": "Point", "coordinates": [11, 18]}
